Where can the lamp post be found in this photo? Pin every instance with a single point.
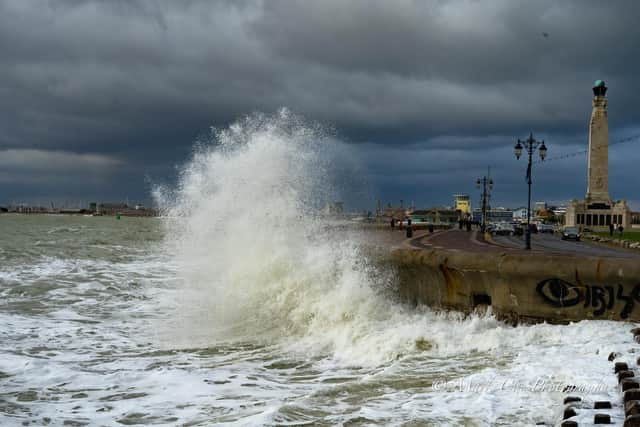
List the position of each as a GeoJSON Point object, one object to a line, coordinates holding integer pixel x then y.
{"type": "Point", "coordinates": [486, 183]}
{"type": "Point", "coordinates": [530, 146]}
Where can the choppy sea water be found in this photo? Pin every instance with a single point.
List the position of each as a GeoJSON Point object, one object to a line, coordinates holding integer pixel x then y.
{"type": "Point", "coordinates": [93, 331]}
{"type": "Point", "coordinates": [242, 306]}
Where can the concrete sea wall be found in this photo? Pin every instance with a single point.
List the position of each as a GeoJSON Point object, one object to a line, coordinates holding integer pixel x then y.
{"type": "Point", "coordinates": [521, 287]}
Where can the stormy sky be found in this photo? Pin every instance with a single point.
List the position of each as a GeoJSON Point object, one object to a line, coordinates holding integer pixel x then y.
{"type": "Point", "coordinates": [101, 100]}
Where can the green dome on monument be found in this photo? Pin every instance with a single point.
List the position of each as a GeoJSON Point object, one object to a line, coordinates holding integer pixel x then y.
{"type": "Point", "coordinates": [599, 83]}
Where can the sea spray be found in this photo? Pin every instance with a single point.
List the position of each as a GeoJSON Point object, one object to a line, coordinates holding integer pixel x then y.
{"type": "Point", "coordinates": [258, 260]}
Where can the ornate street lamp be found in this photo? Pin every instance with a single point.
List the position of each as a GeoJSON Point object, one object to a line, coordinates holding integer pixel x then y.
{"type": "Point", "coordinates": [486, 183]}
{"type": "Point", "coordinates": [530, 146]}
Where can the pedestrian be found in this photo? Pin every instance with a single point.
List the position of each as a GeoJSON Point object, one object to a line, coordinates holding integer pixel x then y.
{"type": "Point", "coordinates": [393, 224]}
{"type": "Point", "coordinates": [468, 225]}
{"type": "Point", "coordinates": [611, 230]}
{"type": "Point", "coordinates": [620, 229]}
{"type": "Point", "coordinates": [409, 229]}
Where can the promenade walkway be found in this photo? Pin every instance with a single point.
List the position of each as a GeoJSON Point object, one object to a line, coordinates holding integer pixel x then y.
{"type": "Point", "coordinates": [472, 241]}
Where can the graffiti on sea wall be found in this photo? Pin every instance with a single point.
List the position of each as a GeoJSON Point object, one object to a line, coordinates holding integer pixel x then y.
{"type": "Point", "coordinates": [563, 294]}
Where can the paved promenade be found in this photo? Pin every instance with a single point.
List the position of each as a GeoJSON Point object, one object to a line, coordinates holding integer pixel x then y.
{"type": "Point", "coordinates": [472, 241]}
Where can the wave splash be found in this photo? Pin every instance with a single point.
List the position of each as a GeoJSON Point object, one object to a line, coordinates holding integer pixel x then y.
{"type": "Point", "coordinates": [258, 261]}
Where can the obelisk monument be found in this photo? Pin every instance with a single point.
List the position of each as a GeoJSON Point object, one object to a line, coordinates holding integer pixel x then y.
{"type": "Point", "coordinates": [598, 166]}
{"type": "Point", "coordinates": [597, 211]}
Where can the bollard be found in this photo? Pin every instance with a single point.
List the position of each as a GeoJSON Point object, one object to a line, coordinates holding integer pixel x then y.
{"type": "Point", "coordinates": [628, 384]}
{"type": "Point", "coordinates": [571, 399]}
{"type": "Point", "coordinates": [568, 413]}
{"type": "Point", "coordinates": [630, 395]}
{"type": "Point", "coordinates": [613, 355]}
{"type": "Point", "coordinates": [569, 423]}
{"type": "Point", "coordinates": [602, 419]}
{"type": "Point", "coordinates": [632, 408]}
{"type": "Point", "coordinates": [602, 404]}
{"type": "Point", "coordinates": [624, 374]}
{"type": "Point", "coordinates": [635, 331]}
{"type": "Point", "coordinates": [632, 421]}
{"type": "Point", "coordinates": [620, 366]}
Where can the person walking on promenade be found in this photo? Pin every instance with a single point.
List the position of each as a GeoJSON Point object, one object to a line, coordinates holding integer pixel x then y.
{"type": "Point", "coordinates": [393, 224]}
{"type": "Point", "coordinates": [611, 230]}
{"type": "Point", "coordinates": [620, 229]}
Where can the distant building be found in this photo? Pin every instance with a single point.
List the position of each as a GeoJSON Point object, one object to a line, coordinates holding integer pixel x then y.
{"type": "Point", "coordinates": [539, 206]}
{"type": "Point", "coordinates": [73, 211]}
{"type": "Point", "coordinates": [519, 214]}
{"type": "Point", "coordinates": [435, 216]}
{"type": "Point", "coordinates": [123, 209]}
{"type": "Point", "coordinates": [494, 215]}
{"type": "Point", "coordinates": [559, 211]}
{"type": "Point", "coordinates": [398, 213]}
{"type": "Point", "coordinates": [462, 203]}
{"type": "Point", "coordinates": [111, 208]}
{"type": "Point", "coordinates": [27, 209]}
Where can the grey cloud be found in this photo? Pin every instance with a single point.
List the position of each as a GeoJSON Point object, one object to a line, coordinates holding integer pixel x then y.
{"type": "Point", "coordinates": [139, 80]}
{"type": "Point", "coordinates": [31, 160]}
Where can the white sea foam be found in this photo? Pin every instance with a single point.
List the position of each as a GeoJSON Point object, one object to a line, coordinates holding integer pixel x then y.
{"type": "Point", "coordinates": [257, 259]}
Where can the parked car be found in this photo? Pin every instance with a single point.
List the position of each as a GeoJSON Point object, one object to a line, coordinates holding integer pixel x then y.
{"type": "Point", "coordinates": [518, 230]}
{"type": "Point", "coordinates": [546, 228]}
{"type": "Point", "coordinates": [502, 229]}
{"type": "Point", "coordinates": [571, 233]}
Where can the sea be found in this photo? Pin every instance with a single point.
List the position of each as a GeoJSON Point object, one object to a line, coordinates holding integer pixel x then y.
{"type": "Point", "coordinates": [243, 305]}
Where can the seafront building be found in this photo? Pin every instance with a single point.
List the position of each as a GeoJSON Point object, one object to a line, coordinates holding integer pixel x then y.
{"type": "Point", "coordinates": [462, 203]}
{"type": "Point", "coordinates": [598, 209]}
{"type": "Point", "coordinates": [539, 206]}
{"type": "Point", "coordinates": [494, 215]}
{"type": "Point", "coordinates": [436, 216]}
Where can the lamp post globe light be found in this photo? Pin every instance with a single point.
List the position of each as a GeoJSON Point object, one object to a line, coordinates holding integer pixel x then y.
{"type": "Point", "coordinates": [529, 145]}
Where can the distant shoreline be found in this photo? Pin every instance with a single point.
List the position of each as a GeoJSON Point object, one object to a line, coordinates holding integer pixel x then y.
{"type": "Point", "coordinates": [87, 213]}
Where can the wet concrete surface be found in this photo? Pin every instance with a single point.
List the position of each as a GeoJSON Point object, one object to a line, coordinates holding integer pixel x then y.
{"type": "Point", "coordinates": [462, 240]}
{"type": "Point", "coordinates": [554, 244]}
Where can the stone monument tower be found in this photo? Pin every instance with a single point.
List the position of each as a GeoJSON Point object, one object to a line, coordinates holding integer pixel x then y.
{"type": "Point", "coordinates": [598, 181]}
{"type": "Point", "coordinates": [597, 210]}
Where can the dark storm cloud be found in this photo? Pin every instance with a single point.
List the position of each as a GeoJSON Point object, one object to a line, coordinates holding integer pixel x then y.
{"type": "Point", "coordinates": [135, 82]}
